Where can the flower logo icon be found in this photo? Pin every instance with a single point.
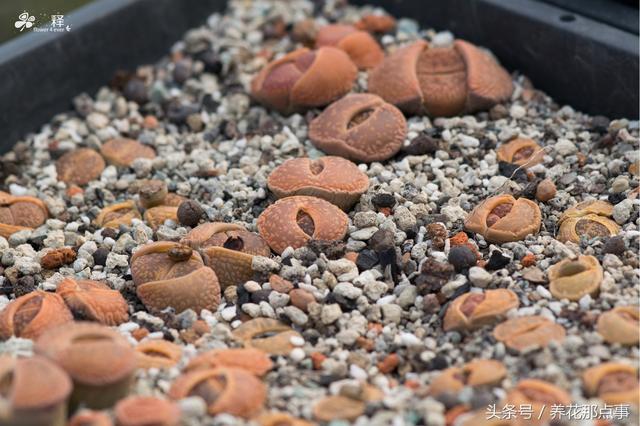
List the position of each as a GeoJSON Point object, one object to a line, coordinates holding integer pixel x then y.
{"type": "Point", "coordinates": [24, 21]}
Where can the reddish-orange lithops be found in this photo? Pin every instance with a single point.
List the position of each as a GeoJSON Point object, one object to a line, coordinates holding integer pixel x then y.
{"type": "Point", "coordinates": [253, 360]}
{"type": "Point", "coordinates": [123, 152]}
{"type": "Point", "coordinates": [80, 166]}
{"type": "Point", "coordinates": [30, 315]}
{"type": "Point", "coordinates": [93, 300]}
{"type": "Point", "coordinates": [502, 219]}
{"type": "Point", "coordinates": [473, 310]}
{"type": "Point", "coordinates": [361, 47]}
{"type": "Point", "coordinates": [521, 151]}
{"type": "Point", "coordinates": [19, 213]}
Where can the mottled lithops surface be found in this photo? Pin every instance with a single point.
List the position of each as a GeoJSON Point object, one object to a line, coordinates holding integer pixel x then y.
{"type": "Point", "coordinates": [404, 310]}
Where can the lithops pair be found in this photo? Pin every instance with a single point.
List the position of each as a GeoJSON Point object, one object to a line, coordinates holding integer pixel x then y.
{"type": "Point", "coordinates": [474, 310]}
{"type": "Point", "coordinates": [20, 213]}
{"type": "Point", "coordinates": [620, 325]}
{"type": "Point", "coordinates": [613, 382]}
{"type": "Point", "coordinates": [361, 47]}
{"type": "Point", "coordinates": [522, 333]}
{"type": "Point", "coordinates": [523, 152]}
{"type": "Point", "coordinates": [589, 219]}
{"type": "Point", "coordinates": [502, 219]}
{"type": "Point", "coordinates": [574, 278]}
{"type": "Point", "coordinates": [267, 335]}
{"type": "Point", "coordinates": [477, 373]}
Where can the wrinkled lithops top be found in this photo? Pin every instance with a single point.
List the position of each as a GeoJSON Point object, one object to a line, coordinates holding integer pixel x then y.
{"type": "Point", "coordinates": [93, 300]}
{"type": "Point", "coordinates": [31, 315]}
{"type": "Point", "coordinates": [360, 127]}
{"type": "Point", "coordinates": [361, 47]}
{"type": "Point", "coordinates": [590, 219]}
{"type": "Point", "coordinates": [18, 213]}
{"type": "Point", "coordinates": [440, 81]}
{"type": "Point", "coordinates": [502, 218]}
{"type": "Point", "coordinates": [334, 179]}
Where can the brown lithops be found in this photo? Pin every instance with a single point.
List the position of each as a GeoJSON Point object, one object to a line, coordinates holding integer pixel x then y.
{"type": "Point", "coordinates": [224, 389]}
{"type": "Point", "coordinates": [293, 221]}
{"type": "Point", "coordinates": [156, 216]}
{"type": "Point", "coordinates": [99, 360]}
{"type": "Point", "coordinates": [118, 214]}
{"type": "Point", "coordinates": [304, 79]}
{"type": "Point", "coordinates": [612, 382]}
{"type": "Point", "coordinates": [480, 372]}
{"type": "Point", "coordinates": [228, 249]}
{"type": "Point", "coordinates": [31, 315]}
{"type": "Point", "coordinates": [523, 333]}
{"type": "Point", "coordinates": [502, 219]}
{"type": "Point", "coordinates": [19, 213]}
{"type": "Point", "coordinates": [334, 179]}
{"type": "Point", "coordinates": [253, 360]}
{"type": "Point", "coordinates": [473, 310]}
{"type": "Point", "coordinates": [338, 407]}
{"type": "Point", "coordinates": [145, 411]}
{"type": "Point", "coordinates": [123, 152]}
{"type": "Point", "coordinates": [168, 274]}
{"type": "Point", "coordinates": [360, 127]}
{"type": "Point", "coordinates": [574, 278]}
{"type": "Point", "coordinates": [80, 166]}
{"type": "Point", "coordinates": [93, 300]}
{"type": "Point", "coordinates": [152, 192]}
{"type": "Point", "coordinates": [90, 418]}
{"type": "Point", "coordinates": [34, 392]}
{"type": "Point", "coordinates": [521, 151]}
{"type": "Point", "coordinates": [266, 334]}
{"type": "Point", "coordinates": [590, 219]}
{"type": "Point", "coordinates": [539, 395]}
{"type": "Point", "coordinates": [361, 47]}
{"type": "Point", "coordinates": [375, 23]}
{"type": "Point", "coordinates": [440, 81]}
{"type": "Point", "coordinates": [620, 325]}
{"type": "Point", "coordinates": [157, 354]}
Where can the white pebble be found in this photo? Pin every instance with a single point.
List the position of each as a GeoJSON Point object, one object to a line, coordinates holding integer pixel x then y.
{"type": "Point", "coordinates": [296, 341]}
{"type": "Point", "coordinates": [297, 354]}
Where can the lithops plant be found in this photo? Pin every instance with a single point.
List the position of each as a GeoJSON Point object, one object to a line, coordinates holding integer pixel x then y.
{"type": "Point", "coordinates": [90, 418]}
{"type": "Point", "coordinates": [613, 382]}
{"type": "Point", "coordinates": [590, 219]}
{"type": "Point", "coordinates": [334, 179]}
{"type": "Point", "coordinates": [80, 166]}
{"type": "Point", "coordinates": [361, 47]}
{"type": "Point", "coordinates": [20, 213]}
{"type": "Point", "coordinates": [168, 274]}
{"type": "Point", "coordinates": [304, 79]}
{"type": "Point", "coordinates": [146, 410]}
{"type": "Point", "coordinates": [99, 360]}
{"type": "Point", "coordinates": [151, 192]}
{"type": "Point", "coordinates": [502, 219]}
{"type": "Point", "coordinates": [123, 152]}
{"type": "Point", "coordinates": [574, 278]}
{"type": "Point", "coordinates": [157, 354]}
{"type": "Point", "coordinates": [440, 81]}
{"type": "Point", "coordinates": [479, 372]}
{"type": "Point", "coordinates": [293, 221]}
{"type": "Point", "coordinates": [253, 360]}
{"type": "Point", "coordinates": [473, 310]}
{"type": "Point", "coordinates": [620, 325]}
{"type": "Point", "coordinates": [156, 216]}
{"type": "Point", "coordinates": [228, 249]}
{"type": "Point", "coordinates": [118, 214]}
{"type": "Point", "coordinates": [539, 395]}
{"type": "Point", "coordinates": [521, 151]}
{"type": "Point", "coordinates": [528, 332]}
{"type": "Point", "coordinates": [360, 127]}
{"type": "Point", "coordinates": [34, 392]}
{"type": "Point", "coordinates": [31, 315]}
{"type": "Point", "coordinates": [338, 407]}
{"type": "Point", "coordinates": [94, 301]}
{"type": "Point", "coordinates": [266, 334]}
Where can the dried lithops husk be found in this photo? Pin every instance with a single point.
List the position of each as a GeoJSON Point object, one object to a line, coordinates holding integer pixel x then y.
{"type": "Point", "coordinates": [526, 332]}
{"type": "Point", "coordinates": [253, 360]}
{"type": "Point", "coordinates": [360, 127]}
{"type": "Point", "coordinates": [440, 81]}
{"type": "Point", "coordinates": [99, 360]}
{"type": "Point", "coordinates": [539, 395]}
{"type": "Point", "coordinates": [19, 213]}
{"type": "Point", "coordinates": [34, 392]}
{"type": "Point", "coordinates": [157, 354]}
{"type": "Point", "coordinates": [612, 382]}
{"type": "Point", "coordinates": [280, 419]}
{"type": "Point", "coordinates": [338, 407]}
{"type": "Point", "coordinates": [574, 278]}
{"type": "Point", "coordinates": [31, 315]}
{"type": "Point", "coordinates": [481, 372]}
{"type": "Point", "coordinates": [502, 219]}
{"type": "Point", "coordinates": [168, 274]}
{"type": "Point", "coordinates": [304, 79]}
{"type": "Point", "coordinates": [118, 214]}
{"type": "Point", "coordinates": [521, 151]}
{"type": "Point", "coordinates": [56, 257]}
{"type": "Point", "coordinates": [293, 221]}
{"type": "Point", "coordinates": [266, 334]}
{"type": "Point", "coordinates": [224, 389]}
{"type": "Point", "coordinates": [473, 310]}
{"type": "Point", "coordinates": [228, 249]}
{"type": "Point", "coordinates": [152, 193]}
{"type": "Point", "coordinates": [335, 179]}
{"type": "Point", "coordinates": [80, 166]}
{"type": "Point", "coordinates": [590, 219]}
{"type": "Point", "coordinates": [156, 216]}
{"type": "Point", "coordinates": [620, 325]}
{"type": "Point", "coordinates": [146, 410]}
{"type": "Point", "coordinates": [363, 49]}
{"type": "Point", "coordinates": [93, 300]}
{"type": "Point", "coordinates": [123, 152]}
{"type": "Point", "coordinates": [90, 418]}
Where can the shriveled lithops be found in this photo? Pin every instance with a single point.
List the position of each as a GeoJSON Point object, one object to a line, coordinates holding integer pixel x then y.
{"type": "Point", "coordinates": [157, 354]}
{"type": "Point", "coordinates": [480, 372]}
{"type": "Point", "coordinates": [34, 392]}
{"type": "Point", "coordinates": [338, 407]}
{"type": "Point", "coordinates": [156, 216]}
{"type": "Point", "coordinates": [521, 151]}
{"type": "Point", "coordinates": [99, 360]}
{"type": "Point", "coordinates": [118, 214]}
{"type": "Point", "coordinates": [93, 300]}
{"type": "Point", "coordinates": [31, 315]}
{"type": "Point", "coordinates": [360, 127]}
{"type": "Point", "coordinates": [612, 382]}
{"type": "Point", "coordinates": [473, 310]}
{"type": "Point", "coordinates": [152, 192]}
{"type": "Point", "coordinates": [168, 274]}
{"type": "Point", "coordinates": [80, 166]}
{"type": "Point", "coordinates": [145, 411]}
{"type": "Point", "coordinates": [361, 47]}
{"type": "Point", "coordinates": [266, 334]}
{"type": "Point", "coordinates": [224, 389]}
{"type": "Point", "coordinates": [335, 179]}
{"type": "Point", "coordinates": [90, 418]}
{"type": "Point", "coordinates": [228, 249]}
{"type": "Point", "coordinates": [304, 79]}
{"type": "Point", "coordinates": [589, 219]}
{"type": "Point", "coordinates": [253, 360]}
{"type": "Point", "coordinates": [280, 419]}
{"type": "Point", "coordinates": [502, 219]}
{"type": "Point", "coordinates": [293, 221]}
{"type": "Point", "coordinates": [123, 152]}
{"type": "Point", "coordinates": [539, 395]}
{"type": "Point", "coordinates": [574, 278]}
{"type": "Point", "coordinates": [523, 333]}
{"type": "Point", "coordinates": [620, 325]}
{"type": "Point", "coordinates": [440, 81]}
{"type": "Point", "coordinates": [20, 213]}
